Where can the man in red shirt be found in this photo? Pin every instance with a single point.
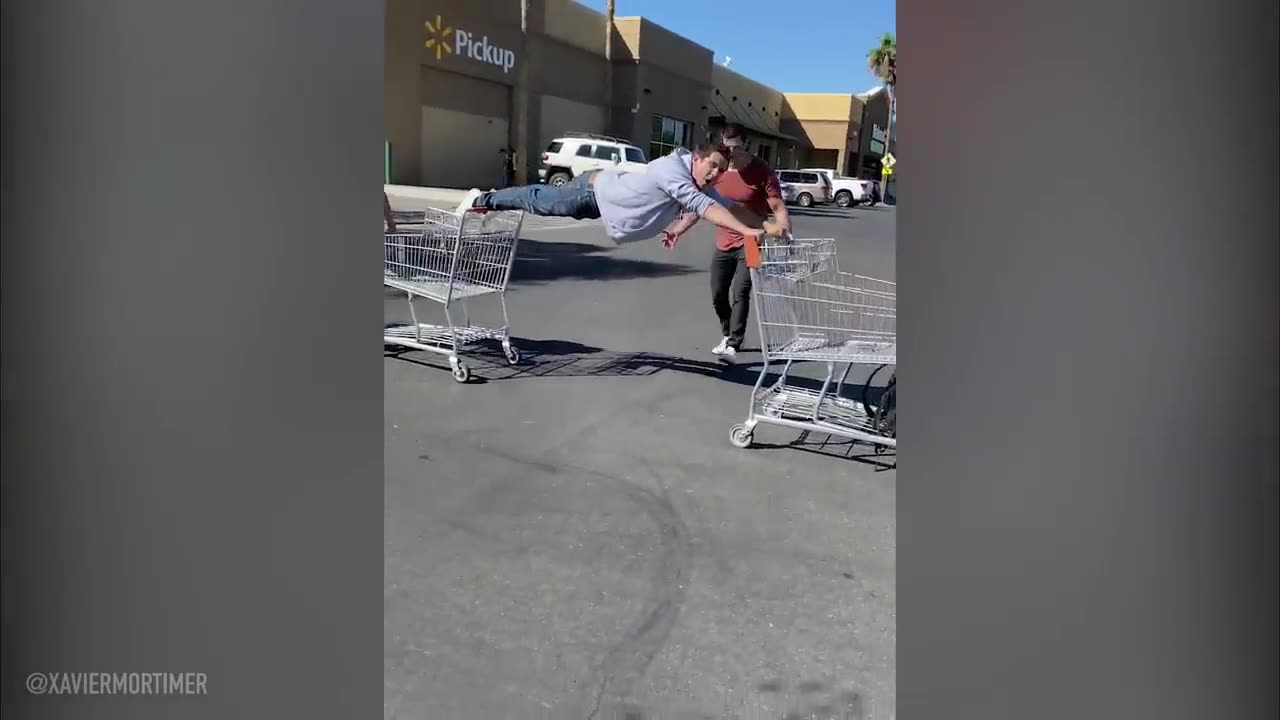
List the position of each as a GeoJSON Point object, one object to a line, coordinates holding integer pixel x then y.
{"type": "Point", "coordinates": [750, 184]}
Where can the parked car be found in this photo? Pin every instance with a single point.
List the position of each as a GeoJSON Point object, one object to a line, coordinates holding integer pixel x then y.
{"type": "Point", "coordinates": [847, 191]}
{"type": "Point", "coordinates": [574, 153]}
{"type": "Point", "coordinates": [804, 187]}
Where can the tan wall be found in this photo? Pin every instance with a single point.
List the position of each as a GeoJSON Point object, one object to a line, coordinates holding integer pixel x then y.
{"type": "Point", "coordinates": [819, 133]}
{"type": "Point", "coordinates": [657, 72]}
{"type": "Point", "coordinates": [567, 71]}
{"type": "Point", "coordinates": [574, 24]}
{"type": "Point", "coordinates": [820, 106]}
{"type": "Point", "coordinates": [414, 76]}
{"type": "Point", "coordinates": [672, 96]}
{"type": "Point", "coordinates": [560, 115]}
{"type": "Point", "coordinates": [659, 47]}
{"type": "Point", "coordinates": [462, 149]}
{"type": "Point", "coordinates": [464, 123]}
{"type": "Point", "coordinates": [457, 92]}
{"type": "Point", "coordinates": [626, 94]}
{"type": "Point", "coordinates": [626, 38]}
{"type": "Point", "coordinates": [828, 124]}
{"type": "Point", "coordinates": [756, 104]}
{"type": "Point", "coordinates": [400, 76]}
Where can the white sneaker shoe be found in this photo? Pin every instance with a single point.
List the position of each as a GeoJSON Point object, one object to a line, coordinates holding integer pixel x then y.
{"type": "Point", "coordinates": [468, 201]}
{"type": "Point", "coordinates": [725, 350]}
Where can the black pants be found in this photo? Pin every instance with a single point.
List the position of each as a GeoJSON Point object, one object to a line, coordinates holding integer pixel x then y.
{"type": "Point", "coordinates": [731, 293]}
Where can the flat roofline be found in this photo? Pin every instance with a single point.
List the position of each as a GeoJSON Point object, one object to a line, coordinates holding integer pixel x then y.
{"type": "Point", "coordinates": [644, 20]}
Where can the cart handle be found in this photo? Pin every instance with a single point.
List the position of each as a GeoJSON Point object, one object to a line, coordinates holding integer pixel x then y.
{"type": "Point", "coordinates": [751, 249]}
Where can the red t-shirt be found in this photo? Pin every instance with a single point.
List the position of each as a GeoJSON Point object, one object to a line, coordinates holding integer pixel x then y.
{"type": "Point", "coordinates": [752, 186]}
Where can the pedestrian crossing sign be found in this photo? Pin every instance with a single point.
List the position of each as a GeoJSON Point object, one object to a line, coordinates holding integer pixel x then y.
{"type": "Point", "coordinates": [888, 161]}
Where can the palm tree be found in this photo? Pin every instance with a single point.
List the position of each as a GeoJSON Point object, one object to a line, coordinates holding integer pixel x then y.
{"type": "Point", "coordinates": [882, 60]}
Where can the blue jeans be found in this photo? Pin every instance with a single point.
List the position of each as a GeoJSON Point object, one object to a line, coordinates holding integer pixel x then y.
{"type": "Point", "coordinates": [575, 199]}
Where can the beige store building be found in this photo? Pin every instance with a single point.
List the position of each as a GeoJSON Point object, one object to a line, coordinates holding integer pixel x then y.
{"type": "Point", "coordinates": [826, 126]}
{"type": "Point", "coordinates": [454, 70]}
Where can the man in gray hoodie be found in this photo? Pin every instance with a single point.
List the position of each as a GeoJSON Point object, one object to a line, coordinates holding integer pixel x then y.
{"type": "Point", "coordinates": [633, 205]}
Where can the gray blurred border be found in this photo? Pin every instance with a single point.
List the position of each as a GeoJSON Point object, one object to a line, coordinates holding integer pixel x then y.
{"type": "Point", "coordinates": [1087, 254]}
{"type": "Point", "coordinates": [192, 383]}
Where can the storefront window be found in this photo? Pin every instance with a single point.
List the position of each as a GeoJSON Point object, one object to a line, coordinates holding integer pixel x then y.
{"type": "Point", "coordinates": [667, 134]}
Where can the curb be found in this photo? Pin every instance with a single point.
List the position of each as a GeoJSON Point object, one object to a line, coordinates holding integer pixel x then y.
{"type": "Point", "coordinates": [426, 194]}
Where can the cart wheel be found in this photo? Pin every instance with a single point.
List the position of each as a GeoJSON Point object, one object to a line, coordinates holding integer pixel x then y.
{"type": "Point", "coordinates": [740, 436]}
{"type": "Point", "coordinates": [461, 372]}
{"type": "Point", "coordinates": [513, 355]}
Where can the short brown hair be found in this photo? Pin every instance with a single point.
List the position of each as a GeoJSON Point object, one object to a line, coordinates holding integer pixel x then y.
{"type": "Point", "coordinates": [731, 132]}
{"type": "Point", "coordinates": [706, 149]}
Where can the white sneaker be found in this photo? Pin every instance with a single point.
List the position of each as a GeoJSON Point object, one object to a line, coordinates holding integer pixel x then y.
{"type": "Point", "coordinates": [724, 350]}
{"type": "Point", "coordinates": [468, 201]}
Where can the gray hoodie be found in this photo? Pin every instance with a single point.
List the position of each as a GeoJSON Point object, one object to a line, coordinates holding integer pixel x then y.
{"type": "Point", "coordinates": [639, 205]}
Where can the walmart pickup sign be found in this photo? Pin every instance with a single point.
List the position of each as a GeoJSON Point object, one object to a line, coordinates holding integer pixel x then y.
{"type": "Point", "coordinates": [484, 51]}
{"type": "Point", "coordinates": [444, 40]}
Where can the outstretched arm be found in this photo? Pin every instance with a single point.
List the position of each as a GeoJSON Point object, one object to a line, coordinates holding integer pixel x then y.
{"type": "Point", "coordinates": [718, 215]}
{"type": "Point", "coordinates": [672, 234]}
{"type": "Point", "coordinates": [700, 204]}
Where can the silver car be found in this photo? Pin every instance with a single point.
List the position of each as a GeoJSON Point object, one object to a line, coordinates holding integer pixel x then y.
{"type": "Point", "coordinates": [804, 188]}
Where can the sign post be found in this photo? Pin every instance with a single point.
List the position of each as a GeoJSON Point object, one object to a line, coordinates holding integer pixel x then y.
{"type": "Point", "coordinates": [886, 164]}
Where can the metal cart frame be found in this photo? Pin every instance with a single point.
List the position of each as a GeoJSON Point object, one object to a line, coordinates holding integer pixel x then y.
{"type": "Point", "coordinates": [452, 259]}
{"type": "Point", "coordinates": [807, 310]}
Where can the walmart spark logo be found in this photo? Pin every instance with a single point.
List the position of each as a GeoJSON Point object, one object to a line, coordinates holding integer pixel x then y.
{"type": "Point", "coordinates": [438, 37]}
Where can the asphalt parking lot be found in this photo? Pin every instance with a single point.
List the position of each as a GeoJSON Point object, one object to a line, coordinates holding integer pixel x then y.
{"type": "Point", "coordinates": [575, 537]}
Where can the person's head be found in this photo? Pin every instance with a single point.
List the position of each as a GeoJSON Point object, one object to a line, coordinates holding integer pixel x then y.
{"type": "Point", "coordinates": [735, 142]}
{"type": "Point", "coordinates": [709, 160]}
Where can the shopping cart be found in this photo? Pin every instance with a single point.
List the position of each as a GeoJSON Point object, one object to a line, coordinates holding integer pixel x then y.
{"type": "Point", "coordinates": [810, 311]}
{"type": "Point", "coordinates": [450, 259]}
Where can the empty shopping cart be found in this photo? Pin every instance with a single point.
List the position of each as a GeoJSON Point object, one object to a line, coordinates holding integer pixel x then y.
{"type": "Point", "coordinates": [450, 259]}
{"type": "Point", "coordinates": [808, 310]}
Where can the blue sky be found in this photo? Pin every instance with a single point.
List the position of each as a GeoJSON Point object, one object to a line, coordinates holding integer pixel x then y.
{"type": "Point", "coordinates": [760, 36]}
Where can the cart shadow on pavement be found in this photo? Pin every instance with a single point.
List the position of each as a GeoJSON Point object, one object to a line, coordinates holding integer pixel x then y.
{"type": "Point", "coordinates": [819, 443]}
{"type": "Point", "coordinates": [539, 262]}
{"type": "Point", "coordinates": [567, 359]}
{"type": "Point", "coordinates": [543, 261]}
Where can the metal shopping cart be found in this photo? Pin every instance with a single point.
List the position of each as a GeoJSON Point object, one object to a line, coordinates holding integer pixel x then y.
{"type": "Point", "coordinates": [450, 259]}
{"type": "Point", "coordinates": [810, 311]}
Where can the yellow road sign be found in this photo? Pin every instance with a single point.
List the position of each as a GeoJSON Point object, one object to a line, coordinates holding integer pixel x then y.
{"type": "Point", "coordinates": [888, 160]}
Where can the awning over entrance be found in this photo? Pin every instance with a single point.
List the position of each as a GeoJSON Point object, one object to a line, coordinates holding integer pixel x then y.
{"type": "Point", "coordinates": [750, 119]}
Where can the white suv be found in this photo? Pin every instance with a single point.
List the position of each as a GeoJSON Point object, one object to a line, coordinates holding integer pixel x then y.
{"type": "Point", "coordinates": [847, 191]}
{"type": "Point", "coordinates": [574, 153]}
